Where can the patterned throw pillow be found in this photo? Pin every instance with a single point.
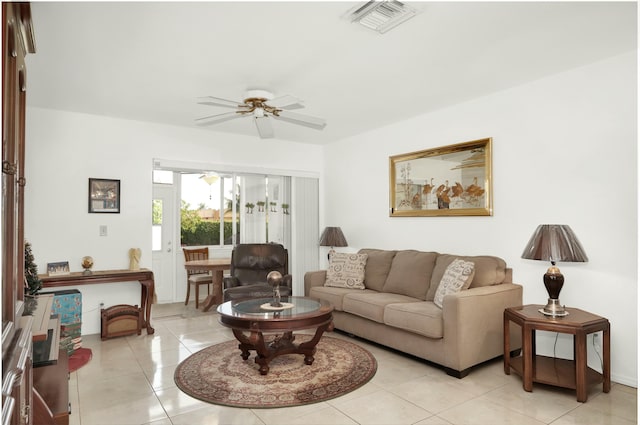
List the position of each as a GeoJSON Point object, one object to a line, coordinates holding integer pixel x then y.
{"type": "Point", "coordinates": [346, 270]}
{"type": "Point", "coordinates": [456, 277]}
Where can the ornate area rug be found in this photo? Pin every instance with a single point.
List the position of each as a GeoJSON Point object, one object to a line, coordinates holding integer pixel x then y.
{"type": "Point", "coordinates": [217, 374]}
{"type": "Point", "coordinates": [79, 358]}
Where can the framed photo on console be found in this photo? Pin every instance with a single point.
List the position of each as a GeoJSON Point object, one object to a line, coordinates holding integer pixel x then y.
{"type": "Point", "coordinates": [452, 180]}
{"type": "Point", "coordinates": [58, 268]}
{"type": "Point", "coordinates": [104, 196]}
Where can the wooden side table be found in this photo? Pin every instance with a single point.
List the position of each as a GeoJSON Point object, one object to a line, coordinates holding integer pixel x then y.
{"type": "Point", "coordinates": [573, 374]}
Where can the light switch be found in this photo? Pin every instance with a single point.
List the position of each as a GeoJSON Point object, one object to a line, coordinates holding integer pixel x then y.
{"type": "Point", "coordinates": [103, 230]}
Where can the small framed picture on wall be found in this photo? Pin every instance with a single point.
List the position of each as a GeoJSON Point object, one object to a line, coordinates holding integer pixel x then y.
{"type": "Point", "coordinates": [104, 196]}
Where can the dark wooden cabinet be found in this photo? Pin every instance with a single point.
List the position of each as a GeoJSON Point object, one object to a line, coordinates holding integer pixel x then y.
{"type": "Point", "coordinates": [52, 383]}
{"type": "Point", "coordinates": [17, 372]}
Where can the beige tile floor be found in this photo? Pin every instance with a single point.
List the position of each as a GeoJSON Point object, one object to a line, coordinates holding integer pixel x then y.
{"type": "Point", "coordinates": [130, 381]}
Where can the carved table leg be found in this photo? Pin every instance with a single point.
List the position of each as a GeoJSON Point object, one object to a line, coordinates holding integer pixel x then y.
{"type": "Point", "coordinates": [309, 348]}
{"type": "Point", "coordinates": [146, 299]}
{"type": "Point", "coordinates": [245, 344]}
{"type": "Point", "coordinates": [278, 346]}
{"type": "Point", "coordinates": [263, 354]}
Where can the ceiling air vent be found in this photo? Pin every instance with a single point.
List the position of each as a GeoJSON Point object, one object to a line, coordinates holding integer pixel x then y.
{"type": "Point", "coordinates": [381, 16]}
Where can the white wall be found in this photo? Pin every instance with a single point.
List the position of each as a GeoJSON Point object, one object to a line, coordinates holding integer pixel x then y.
{"type": "Point", "coordinates": [564, 151]}
{"type": "Point", "coordinates": [64, 149]}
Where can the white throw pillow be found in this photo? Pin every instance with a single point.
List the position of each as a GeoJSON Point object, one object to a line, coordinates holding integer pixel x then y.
{"type": "Point", "coordinates": [346, 270]}
{"type": "Point", "coordinates": [456, 277]}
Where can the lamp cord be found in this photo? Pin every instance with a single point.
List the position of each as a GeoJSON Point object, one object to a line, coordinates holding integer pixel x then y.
{"type": "Point", "coordinates": [593, 342]}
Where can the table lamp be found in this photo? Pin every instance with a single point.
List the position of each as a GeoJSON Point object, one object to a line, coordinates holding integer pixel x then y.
{"type": "Point", "coordinates": [332, 236]}
{"type": "Point", "coordinates": [554, 242]}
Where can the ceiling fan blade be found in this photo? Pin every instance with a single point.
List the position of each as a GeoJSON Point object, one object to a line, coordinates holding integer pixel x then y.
{"type": "Point", "coordinates": [265, 129]}
{"type": "Point", "coordinates": [306, 120]}
{"type": "Point", "coordinates": [286, 102]}
{"type": "Point", "coordinates": [217, 101]}
{"type": "Point", "coordinates": [218, 118]}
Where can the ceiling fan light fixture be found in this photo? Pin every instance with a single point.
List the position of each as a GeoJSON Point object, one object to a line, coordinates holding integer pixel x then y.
{"type": "Point", "coordinates": [258, 105]}
{"type": "Point", "coordinates": [380, 16]}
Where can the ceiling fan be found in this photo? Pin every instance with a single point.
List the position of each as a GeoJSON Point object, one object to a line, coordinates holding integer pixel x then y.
{"type": "Point", "coordinates": [262, 107]}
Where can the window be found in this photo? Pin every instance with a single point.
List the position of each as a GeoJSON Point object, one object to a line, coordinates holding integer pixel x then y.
{"type": "Point", "coordinates": [163, 176]}
{"type": "Point", "coordinates": [156, 225]}
{"type": "Point", "coordinates": [203, 215]}
{"type": "Point", "coordinates": [213, 212]}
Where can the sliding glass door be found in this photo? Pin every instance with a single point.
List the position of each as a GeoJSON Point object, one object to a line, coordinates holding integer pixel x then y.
{"type": "Point", "coordinates": [265, 216]}
{"type": "Point", "coordinates": [219, 209]}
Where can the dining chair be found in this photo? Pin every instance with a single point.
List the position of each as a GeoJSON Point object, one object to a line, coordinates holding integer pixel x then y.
{"type": "Point", "coordinates": [197, 277]}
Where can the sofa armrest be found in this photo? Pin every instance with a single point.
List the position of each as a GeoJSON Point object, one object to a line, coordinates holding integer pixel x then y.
{"type": "Point", "coordinates": [473, 323]}
{"type": "Point", "coordinates": [314, 278]}
{"type": "Point", "coordinates": [230, 282]}
{"type": "Point", "coordinates": [488, 293]}
{"type": "Point", "coordinates": [287, 280]}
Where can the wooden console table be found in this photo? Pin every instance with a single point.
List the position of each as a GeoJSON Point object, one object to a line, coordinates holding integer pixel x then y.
{"type": "Point", "coordinates": [573, 374]}
{"type": "Point", "coordinates": [144, 276]}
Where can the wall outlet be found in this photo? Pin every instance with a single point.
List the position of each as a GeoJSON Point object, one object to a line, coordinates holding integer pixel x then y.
{"type": "Point", "coordinates": [103, 230]}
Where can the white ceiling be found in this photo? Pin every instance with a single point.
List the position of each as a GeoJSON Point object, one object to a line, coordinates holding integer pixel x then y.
{"type": "Point", "coordinates": [149, 61]}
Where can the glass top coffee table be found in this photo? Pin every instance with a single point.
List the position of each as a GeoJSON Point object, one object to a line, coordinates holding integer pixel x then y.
{"type": "Point", "coordinates": [251, 319]}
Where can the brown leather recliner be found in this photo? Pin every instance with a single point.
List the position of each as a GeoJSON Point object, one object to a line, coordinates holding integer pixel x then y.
{"type": "Point", "coordinates": [250, 265]}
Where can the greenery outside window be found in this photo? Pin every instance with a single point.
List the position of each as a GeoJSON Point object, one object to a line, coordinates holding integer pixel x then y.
{"type": "Point", "coordinates": [217, 207]}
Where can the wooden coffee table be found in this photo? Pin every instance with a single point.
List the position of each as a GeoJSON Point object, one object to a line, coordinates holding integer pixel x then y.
{"type": "Point", "coordinates": [251, 319]}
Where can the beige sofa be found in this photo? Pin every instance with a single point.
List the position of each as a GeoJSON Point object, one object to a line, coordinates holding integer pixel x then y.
{"type": "Point", "coordinates": [396, 308]}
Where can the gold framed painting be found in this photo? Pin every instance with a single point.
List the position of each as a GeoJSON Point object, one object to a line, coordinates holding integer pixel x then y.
{"type": "Point", "coordinates": [452, 180]}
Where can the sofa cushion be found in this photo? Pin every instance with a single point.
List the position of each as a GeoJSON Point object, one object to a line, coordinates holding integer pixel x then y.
{"type": "Point", "coordinates": [489, 270]}
{"type": "Point", "coordinates": [423, 318]}
{"type": "Point", "coordinates": [456, 277]}
{"type": "Point", "coordinates": [378, 266]}
{"type": "Point", "coordinates": [410, 273]}
{"type": "Point", "coordinates": [334, 295]}
{"type": "Point", "coordinates": [346, 270]}
{"type": "Point", "coordinates": [371, 304]}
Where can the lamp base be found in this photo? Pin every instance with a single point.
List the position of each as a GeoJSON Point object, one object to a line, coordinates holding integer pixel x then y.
{"type": "Point", "coordinates": [553, 308]}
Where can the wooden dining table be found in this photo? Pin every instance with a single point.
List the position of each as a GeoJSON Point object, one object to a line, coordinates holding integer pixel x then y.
{"type": "Point", "coordinates": [216, 266]}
